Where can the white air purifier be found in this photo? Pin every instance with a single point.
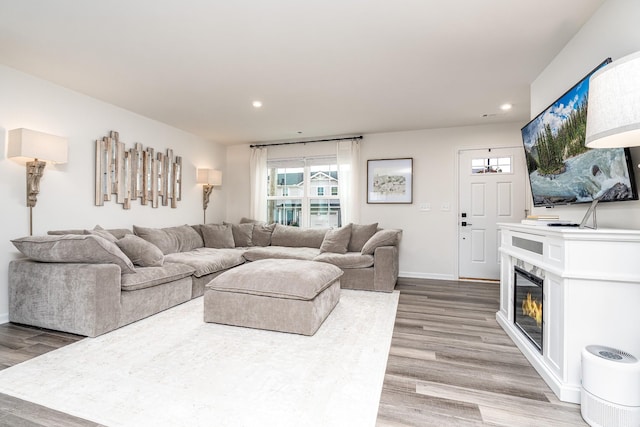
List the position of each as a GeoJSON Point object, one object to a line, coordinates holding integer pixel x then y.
{"type": "Point", "coordinates": [610, 394]}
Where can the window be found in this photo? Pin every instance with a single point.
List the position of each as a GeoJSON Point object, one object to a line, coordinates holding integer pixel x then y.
{"type": "Point", "coordinates": [303, 192]}
{"type": "Point", "coordinates": [491, 165]}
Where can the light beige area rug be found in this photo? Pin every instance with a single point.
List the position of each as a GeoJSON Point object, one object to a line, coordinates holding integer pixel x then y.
{"type": "Point", "coordinates": [172, 369]}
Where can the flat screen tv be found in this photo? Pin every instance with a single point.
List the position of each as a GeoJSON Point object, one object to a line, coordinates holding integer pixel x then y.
{"type": "Point", "coordinates": [561, 169]}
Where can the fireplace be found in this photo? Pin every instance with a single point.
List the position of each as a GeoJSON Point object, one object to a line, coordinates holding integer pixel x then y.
{"type": "Point", "coordinates": [528, 305]}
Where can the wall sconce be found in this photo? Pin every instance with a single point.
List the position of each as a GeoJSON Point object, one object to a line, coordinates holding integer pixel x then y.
{"type": "Point", "coordinates": [35, 148]}
{"type": "Point", "coordinates": [208, 177]}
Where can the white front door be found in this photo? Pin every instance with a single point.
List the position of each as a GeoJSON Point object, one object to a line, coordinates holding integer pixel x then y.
{"type": "Point", "coordinates": [492, 190]}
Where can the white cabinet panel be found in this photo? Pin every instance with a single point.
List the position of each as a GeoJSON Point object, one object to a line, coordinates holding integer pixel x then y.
{"type": "Point", "coordinates": [591, 286]}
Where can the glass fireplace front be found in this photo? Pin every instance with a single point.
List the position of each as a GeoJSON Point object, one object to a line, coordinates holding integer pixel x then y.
{"type": "Point", "coordinates": [528, 305]}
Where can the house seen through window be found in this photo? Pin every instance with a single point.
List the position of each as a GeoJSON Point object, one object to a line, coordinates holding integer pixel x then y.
{"type": "Point", "coordinates": [303, 192]}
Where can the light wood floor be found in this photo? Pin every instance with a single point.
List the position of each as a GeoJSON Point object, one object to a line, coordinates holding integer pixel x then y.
{"type": "Point", "coordinates": [450, 364]}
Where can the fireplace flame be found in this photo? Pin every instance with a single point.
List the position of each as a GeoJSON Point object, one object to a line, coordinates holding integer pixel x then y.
{"type": "Point", "coordinates": [532, 308]}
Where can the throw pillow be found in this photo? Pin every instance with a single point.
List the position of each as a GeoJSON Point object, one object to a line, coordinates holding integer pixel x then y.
{"type": "Point", "coordinates": [336, 240]}
{"type": "Point", "coordinates": [217, 236]}
{"type": "Point", "coordinates": [261, 235]}
{"type": "Point", "coordinates": [74, 248]}
{"type": "Point", "coordinates": [388, 237]}
{"type": "Point", "coordinates": [242, 234]}
{"type": "Point", "coordinates": [141, 252]}
{"type": "Point", "coordinates": [170, 240]}
{"type": "Point", "coordinates": [359, 236]}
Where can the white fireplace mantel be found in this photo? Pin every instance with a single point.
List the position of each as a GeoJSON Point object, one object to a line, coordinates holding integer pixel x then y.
{"type": "Point", "coordinates": [591, 295]}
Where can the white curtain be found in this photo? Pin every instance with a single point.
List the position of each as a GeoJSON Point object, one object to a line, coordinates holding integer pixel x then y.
{"type": "Point", "coordinates": [258, 177]}
{"type": "Point", "coordinates": [348, 159]}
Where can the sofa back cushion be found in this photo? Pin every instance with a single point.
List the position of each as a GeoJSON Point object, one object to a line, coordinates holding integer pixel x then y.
{"type": "Point", "coordinates": [74, 248]}
{"type": "Point", "coordinates": [170, 240]}
{"type": "Point", "coordinates": [296, 237]}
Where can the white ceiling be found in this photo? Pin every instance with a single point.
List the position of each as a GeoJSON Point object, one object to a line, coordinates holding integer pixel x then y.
{"type": "Point", "coordinates": [321, 67]}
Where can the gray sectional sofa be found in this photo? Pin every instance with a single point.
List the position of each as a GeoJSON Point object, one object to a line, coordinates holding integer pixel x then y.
{"type": "Point", "coordinates": [89, 282]}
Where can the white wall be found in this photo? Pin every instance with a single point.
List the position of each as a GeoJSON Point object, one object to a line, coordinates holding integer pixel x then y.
{"type": "Point", "coordinates": [613, 31]}
{"type": "Point", "coordinates": [66, 198]}
{"type": "Point", "coordinates": [429, 244]}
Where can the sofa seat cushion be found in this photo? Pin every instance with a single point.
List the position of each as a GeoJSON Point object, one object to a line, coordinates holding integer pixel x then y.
{"type": "Point", "coordinates": [278, 278]}
{"type": "Point", "coordinates": [348, 260]}
{"type": "Point", "coordinates": [281, 252]}
{"type": "Point", "coordinates": [208, 260]}
{"type": "Point", "coordinates": [148, 277]}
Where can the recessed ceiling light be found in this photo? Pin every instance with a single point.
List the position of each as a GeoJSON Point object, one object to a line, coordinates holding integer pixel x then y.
{"type": "Point", "coordinates": [506, 107]}
{"type": "Point", "coordinates": [257, 104]}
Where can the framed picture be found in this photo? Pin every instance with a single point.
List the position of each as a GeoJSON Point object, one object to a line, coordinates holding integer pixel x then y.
{"type": "Point", "coordinates": [390, 181]}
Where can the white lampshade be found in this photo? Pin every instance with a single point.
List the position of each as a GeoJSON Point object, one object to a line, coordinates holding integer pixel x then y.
{"type": "Point", "coordinates": [26, 145]}
{"type": "Point", "coordinates": [209, 176]}
{"type": "Point", "coordinates": [613, 110]}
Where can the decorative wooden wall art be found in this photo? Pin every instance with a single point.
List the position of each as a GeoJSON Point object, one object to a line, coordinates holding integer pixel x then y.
{"type": "Point", "coordinates": [136, 174]}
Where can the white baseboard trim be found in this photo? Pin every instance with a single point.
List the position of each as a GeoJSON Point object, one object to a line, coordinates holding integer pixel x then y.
{"type": "Point", "coordinates": [4, 318]}
{"type": "Point", "coordinates": [414, 275]}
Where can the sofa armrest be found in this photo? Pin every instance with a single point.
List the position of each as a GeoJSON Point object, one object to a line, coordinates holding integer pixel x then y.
{"type": "Point", "coordinates": [385, 268]}
{"type": "Point", "coordinates": [81, 299]}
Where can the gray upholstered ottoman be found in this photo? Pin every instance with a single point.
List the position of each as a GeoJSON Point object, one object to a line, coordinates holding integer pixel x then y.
{"type": "Point", "coordinates": [276, 294]}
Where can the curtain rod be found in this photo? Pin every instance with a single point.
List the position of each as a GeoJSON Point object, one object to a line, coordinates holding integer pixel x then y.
{"type": "Point", "coordinates": [304, 142]}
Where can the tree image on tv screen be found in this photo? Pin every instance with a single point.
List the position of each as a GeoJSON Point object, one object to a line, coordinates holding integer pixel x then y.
{"type": "Point", "coordinates": [568, 142]}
